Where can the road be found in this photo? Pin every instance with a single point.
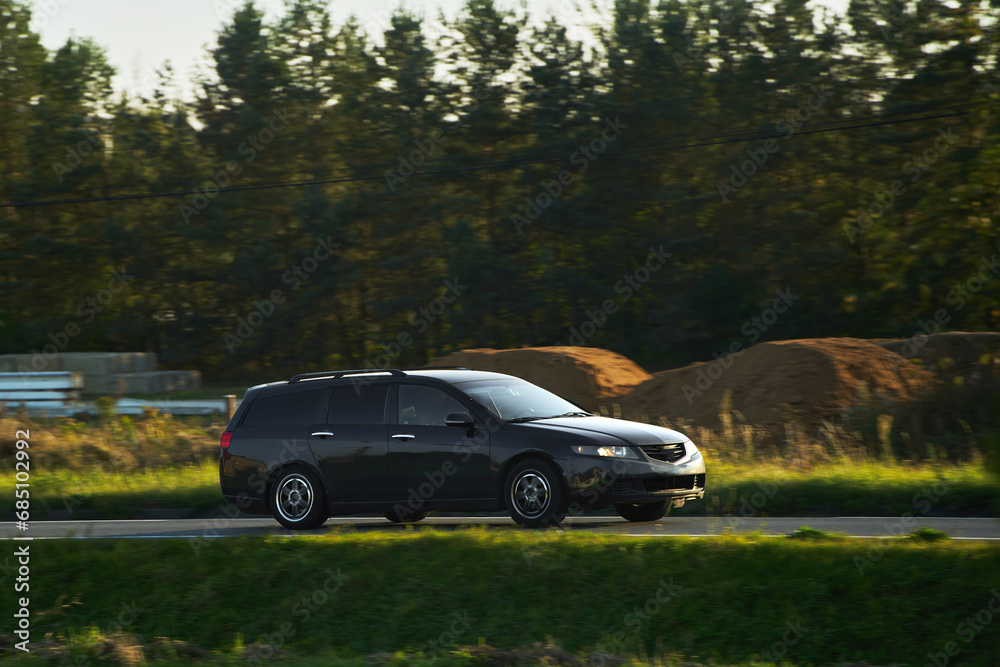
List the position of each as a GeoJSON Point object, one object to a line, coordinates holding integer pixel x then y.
{"type": "Point", "coordinates": [869, 527]}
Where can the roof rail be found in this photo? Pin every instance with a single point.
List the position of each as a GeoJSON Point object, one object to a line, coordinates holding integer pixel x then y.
{"type": "Point", "coordinates": [438, 368]}
{"type": "Point", "coordinates": [340, 374]}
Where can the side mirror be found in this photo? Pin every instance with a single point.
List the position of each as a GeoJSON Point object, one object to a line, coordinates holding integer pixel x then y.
{"type": "Point", "coordinates": [461, 419]}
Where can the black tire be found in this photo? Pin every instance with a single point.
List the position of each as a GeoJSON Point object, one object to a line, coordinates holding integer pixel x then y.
{"type": "Point", "coordinates": [298, 501]}
{"type": "Point", "coordinates": [534, 494]}
{"type": "Point", "coordinates": [405, 517]}
{"type": "Point", "coordinates": [645, 512]}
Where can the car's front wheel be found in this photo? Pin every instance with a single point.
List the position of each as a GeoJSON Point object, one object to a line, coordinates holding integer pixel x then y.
{"type": "Point", "coordinates": [534, 494]}
{"type": "Point", "coordinates": [404, 516]}
{"type": "Point", "coordinates": [645, 512]}
{"type": "Point", "coordinates": [297, 499]}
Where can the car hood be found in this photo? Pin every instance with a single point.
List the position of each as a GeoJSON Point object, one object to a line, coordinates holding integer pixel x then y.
{"type": "Point", "coordinates": [634, 433]}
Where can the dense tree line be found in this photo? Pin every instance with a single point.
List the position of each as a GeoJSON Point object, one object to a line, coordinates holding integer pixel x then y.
{"type": "Point", "coordinates": [658, 189]}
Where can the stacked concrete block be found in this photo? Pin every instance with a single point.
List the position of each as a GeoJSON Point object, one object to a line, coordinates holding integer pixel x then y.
{"type": "Point", "coordinates": [106, 372]}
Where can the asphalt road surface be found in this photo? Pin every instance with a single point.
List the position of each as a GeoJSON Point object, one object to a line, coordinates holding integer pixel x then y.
{"type": "Point", "coordinates": [870, 527]}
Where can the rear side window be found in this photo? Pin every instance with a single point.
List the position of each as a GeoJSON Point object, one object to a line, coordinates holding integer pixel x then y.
{"type": "Point", "coordinates": [360, 404]}
{"type": "Point", "coordinates": [298, 409]}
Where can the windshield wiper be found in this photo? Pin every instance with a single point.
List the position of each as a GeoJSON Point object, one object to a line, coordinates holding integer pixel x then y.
{"type": "Point", "coordinates": [519, 420]}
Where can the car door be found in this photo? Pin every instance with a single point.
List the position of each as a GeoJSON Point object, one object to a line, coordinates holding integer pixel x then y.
{"type": "Point", "coordinates": [429, 461]}
{"type": "Point", "coordinates": [351, 446]}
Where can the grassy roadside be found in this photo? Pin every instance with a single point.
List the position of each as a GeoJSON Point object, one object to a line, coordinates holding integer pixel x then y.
{"type": "Point", "coordinates": [759, 489]}
{"type": "Point", "coordinates": [116, 466]}
{"type": "Point", "coordinates": [349, 596]}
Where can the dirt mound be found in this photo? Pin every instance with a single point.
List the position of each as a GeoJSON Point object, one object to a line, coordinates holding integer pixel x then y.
{"type": "Point", "coordinates": [588, 376]}
{"type": "Point", "coordinates": [773, 383]}
{"type": "Point", "coordinates": [950, 355]}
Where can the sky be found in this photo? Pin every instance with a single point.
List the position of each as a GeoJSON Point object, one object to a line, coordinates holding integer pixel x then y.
{"type": "Point", "coordinates": [139, 35]}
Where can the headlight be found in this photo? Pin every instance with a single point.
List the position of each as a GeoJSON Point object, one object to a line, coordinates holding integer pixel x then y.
{"type": "Point", "coordinates": [613, 451]}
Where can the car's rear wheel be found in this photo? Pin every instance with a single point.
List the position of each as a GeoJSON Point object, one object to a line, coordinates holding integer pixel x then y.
{"type": "Point", "coordinates": [297, 499]}
{"type": "Point", "coordinates": [534, 494]}
{"type": "Point", "coordinates": [644, 512]}
{"type": "Point", "coordinates": [404, 516]}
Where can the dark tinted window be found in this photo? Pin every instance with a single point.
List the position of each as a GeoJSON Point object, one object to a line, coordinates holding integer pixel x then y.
{"type": "Point", "coordinates": [426, 406]}
{"type": "Point", "coordinates": [298, 409]}
{"type": "Point", "coordinates": [358, 404]}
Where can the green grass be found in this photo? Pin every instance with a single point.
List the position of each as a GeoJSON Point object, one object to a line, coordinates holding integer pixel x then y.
{"type": "Point", "coordinates": [758, 489]}
{"type": "Point", "coordinates": [121, 494]}
{"type": "Point", "coordinates": [116, 465]}
{"type": "Point", "coordinates": [351, 595]}
{"type": "Point", "coordinates": [850, 488]}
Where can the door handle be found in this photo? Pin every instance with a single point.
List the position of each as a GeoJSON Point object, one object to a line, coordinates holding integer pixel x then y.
{"type": "Point", "coordinates": [322, 434]}
{"type": "Point", "coordinates": [404, 436]}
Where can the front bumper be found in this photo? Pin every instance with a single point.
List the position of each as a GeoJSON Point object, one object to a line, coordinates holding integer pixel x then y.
{"type": "Point", "coordinates": [594, 482]}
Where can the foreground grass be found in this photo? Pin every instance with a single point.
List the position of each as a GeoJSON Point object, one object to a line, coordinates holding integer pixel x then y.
{"type": "Point", "coordinates": [757, 489]}
{"type": "Point", "coordinates": [351, 595]}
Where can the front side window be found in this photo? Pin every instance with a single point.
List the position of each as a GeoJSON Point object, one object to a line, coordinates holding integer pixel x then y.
{"type": "Point", "coordinates": [426, 406]}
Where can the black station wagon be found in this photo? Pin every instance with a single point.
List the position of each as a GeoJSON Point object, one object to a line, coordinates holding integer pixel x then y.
{"type": "Point", "coordinates": [405, 443]}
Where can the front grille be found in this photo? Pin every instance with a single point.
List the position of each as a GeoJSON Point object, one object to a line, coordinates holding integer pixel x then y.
{"type": "Point", "coordinates": [624, 487]}
{"type": "Point", "coordinates": [627, 487]}
{"type": "Point", "coordinates": [654, 484]}
{"type": "Point", "coordinates": [668, 452]}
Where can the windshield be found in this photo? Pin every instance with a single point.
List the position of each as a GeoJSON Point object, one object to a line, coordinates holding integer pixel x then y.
{"type": "Point", "coordinates": [517, 399]}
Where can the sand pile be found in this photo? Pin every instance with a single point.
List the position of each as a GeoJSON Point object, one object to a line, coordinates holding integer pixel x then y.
{"type": "Point", "coordinates": [587, 376]}
{"type": "Point", "coordinates": [772, 383]}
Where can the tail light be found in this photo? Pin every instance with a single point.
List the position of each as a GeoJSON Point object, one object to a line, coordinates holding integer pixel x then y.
{"type": "Point", "coordinates": [227, 436]}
